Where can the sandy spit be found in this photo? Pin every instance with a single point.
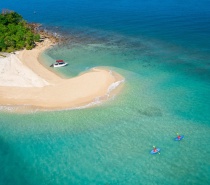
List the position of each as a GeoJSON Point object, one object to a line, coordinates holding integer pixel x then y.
{"type": "Point", "coordinates": [24, 81]}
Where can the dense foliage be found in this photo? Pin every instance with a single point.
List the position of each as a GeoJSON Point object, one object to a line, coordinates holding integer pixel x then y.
{"type": "Point", "coordinates": [15, 34]}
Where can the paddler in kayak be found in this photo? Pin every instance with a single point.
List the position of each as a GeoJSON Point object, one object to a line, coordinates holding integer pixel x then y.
{"type": "Point", "coordinates": [179, 137]}
{"type": "Point", "coordinates": [154, 149]}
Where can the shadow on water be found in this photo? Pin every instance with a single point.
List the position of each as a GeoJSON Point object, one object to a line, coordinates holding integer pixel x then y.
{"type": "Point", "coordinates": [151, 112]}
{"type": "Point", "coordinates": [13, 170]}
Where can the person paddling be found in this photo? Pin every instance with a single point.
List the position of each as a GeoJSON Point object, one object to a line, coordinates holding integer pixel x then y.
{"type": "Point", "coordinates": [178, 137]}
{"type": "Point", "coordinates": [155, 149]}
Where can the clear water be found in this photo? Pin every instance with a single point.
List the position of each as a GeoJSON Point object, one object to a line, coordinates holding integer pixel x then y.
{"type": "Point", "coordinates": [162, 50]}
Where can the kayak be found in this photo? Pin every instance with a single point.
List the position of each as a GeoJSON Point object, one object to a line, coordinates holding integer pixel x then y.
{"type": "Point", "coordinates": [157, 150]}
{"type": "Point", "coordinates": [178, 139]}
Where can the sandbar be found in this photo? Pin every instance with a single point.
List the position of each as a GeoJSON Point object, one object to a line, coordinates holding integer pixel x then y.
{"type": "Point", "coordinates": [25, 81]}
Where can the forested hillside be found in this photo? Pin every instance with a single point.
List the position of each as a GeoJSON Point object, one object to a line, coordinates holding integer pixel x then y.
{"type": "Point", "coordinates": [15, 33]}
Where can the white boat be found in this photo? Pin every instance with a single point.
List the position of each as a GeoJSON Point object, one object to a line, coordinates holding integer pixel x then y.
{"type": "Point", "coordinates": [59, 63]}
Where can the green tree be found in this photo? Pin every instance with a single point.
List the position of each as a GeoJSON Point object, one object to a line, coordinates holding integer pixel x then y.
{"type": "Point", "coordinates": [15, 33]}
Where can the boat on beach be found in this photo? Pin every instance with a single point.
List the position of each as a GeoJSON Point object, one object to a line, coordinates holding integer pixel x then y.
{"type": "Point", "coordinates": [59, 63]}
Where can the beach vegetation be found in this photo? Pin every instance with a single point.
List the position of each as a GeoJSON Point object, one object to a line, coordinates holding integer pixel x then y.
{"type": "Point", "coordinates": [15, 34]}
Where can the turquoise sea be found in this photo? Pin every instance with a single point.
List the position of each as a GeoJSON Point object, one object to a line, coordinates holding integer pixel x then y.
{"type": "Point", "coordinates": [162, 48]}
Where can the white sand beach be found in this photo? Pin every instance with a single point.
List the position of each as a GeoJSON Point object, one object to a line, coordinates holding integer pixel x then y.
{"type": "Point", "coordinates": [14, 73]}
{"type": "Point", "coordinates": [24, 81]}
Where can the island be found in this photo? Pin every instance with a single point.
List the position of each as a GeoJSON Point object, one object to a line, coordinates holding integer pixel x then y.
{"type": "Point", "coordinates": [26, 83]}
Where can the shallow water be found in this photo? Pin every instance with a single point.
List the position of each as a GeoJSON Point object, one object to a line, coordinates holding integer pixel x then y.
{"type": "Point", "coordinates": [162, 50]}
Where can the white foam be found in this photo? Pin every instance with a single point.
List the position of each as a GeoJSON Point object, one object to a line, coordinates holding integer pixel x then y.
{"type": "Point", "coordinates": [114, 86]}
{"type": "Point", "coordinates": [100, 99]}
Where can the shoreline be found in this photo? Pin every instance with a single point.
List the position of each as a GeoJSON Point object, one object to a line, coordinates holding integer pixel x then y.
{"type": "Point", "coordinates": [48, 90]}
